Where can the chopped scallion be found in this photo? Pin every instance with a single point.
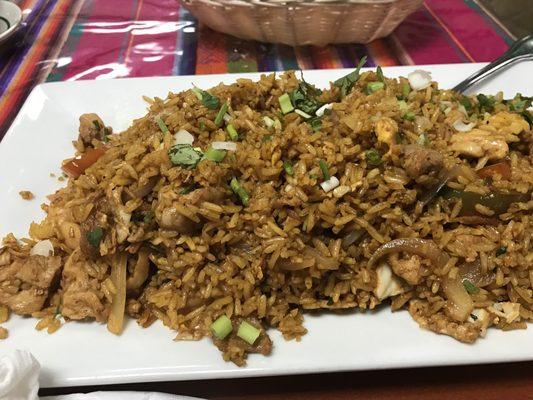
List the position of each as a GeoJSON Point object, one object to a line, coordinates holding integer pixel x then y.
{"type": "Point", "coordinates": [470, 287]}
{"type": "Point", "coordinates": [406, 89]}
{"type": "Point", "coordinates": [379, 73]}
{"type": "Point", "coordinates": [95, 236]}
{"type": "Point", "coordinates": [197, 92]}
{"type": "Point", "coordinates": [239, 191]}
{"type": "Point", "coordinates": [374, 86]}
{"type": "Point", "coordinates": [232, 132]}
{"type": "Point", "coordinates": [423, 139]}
{"type": "Point", "coordinates": [187, 189]}
{"type": "Point", "coordinates": [266, 138]}
{"type": "Point", "coordinates": [403, 105]}
{"type": "Point", "coordinates": [324, 169]}
{"type": "Point", "coordinates": [409, 116]}
{"type": "Point", "coordinates": [269, 122]}
{"type": "Point", "coordinates": [248, 332]}
{"type": "Point", "coordinates": [373, 157]}
{"type": "Point", "coordinates": [215, 155]}
{"type": "Point", "coordinates": [162, 125]}
{"type": "Point", "coordinates": [148, 216]}
{"type": "Point", "coordinates": [288, 168]}
{"type": "Point", "coordinates": [221, 327]}
{"type": "Point", "coordinates": [316, 123]}
{"type": "Point", "coordinates": [202, 125]}
{"type": "Point", "coordinates": [220, 116]}
{"type": "Point", "coordinates": [285, 103]}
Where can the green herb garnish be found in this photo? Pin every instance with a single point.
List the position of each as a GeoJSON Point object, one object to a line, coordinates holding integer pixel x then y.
{"type": "Point", "coordinates": [95, 236]}
{"type": "Point", "coordinates": [330, 301]}
{"type": "Point", "coordinates": [202, 125]}
{"type": "Point", "coordinates": [162, 125]}
{"type": "Point", "coordinates": [148, 216]}
{"type": "Point", "coordinates": [215, 155]}
{"type": "Point", "coordinates": [232, 132]}
{"type": "Point", "coordinates": [304, 98]}
{"type": "Point", "coordinates": [485, 103]}
{"type": "Point", "coordinates": [316, 123]}
{"type": "Point", "coordinates": [465, 101]}
{"type": "Point", "coordinates": [184, 155]}
{"type": "Point", "coordinates": [266, 138]}
{"type": "Point", "coordinates": [97, 125]}
{"type": "Point", "coordinates": [285, 103]}
{"type": "Point", "coordinates": [501, 251]}
{"type": "Point", "coordinates": [373, 157]}
{"type": "Point", "coordinates": [346, 82]}
{"type": "Point", "coordinates": [470, 287]}
{"type": "Point", "coordinates": [324, 169]}
{"type": "Point", "coordinates": [220, 116]}
{"type": "Point", "coordinates": [288, 168]}
{"type": "Point", "coordinates": [239, 191]}
{"type": "Point", "coordinates": [473, 316]}
{"type": "Point", "coordinates": [207, 99]}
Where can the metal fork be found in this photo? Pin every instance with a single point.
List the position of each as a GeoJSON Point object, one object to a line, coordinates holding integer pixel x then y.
{"type": "Point", "coordinates": [522, 49]}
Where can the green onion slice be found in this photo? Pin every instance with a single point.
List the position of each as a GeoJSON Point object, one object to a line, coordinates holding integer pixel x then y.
{"type": "Point", "coordinates": [184, 155]}
{"type": "Point", "coordinates": [248, 332]}
{"type": "Point", "coordinates": [285, 103]}
{"type": "Point", "coordinates": [95, 236]}
{"type": "Point", "coordinates": [288, 168]}
{"type": "Point", "coordinates": [375, 86]}
{"type": "Point", "coordinates": [162, 125]}
{"type": "Point", "coordinates": [221, 327]}
{"type": "Point", "coordinates": [232, 132]}
{"type": "Point", "coordinates": [214, 155]}
{"type": "Point", "coordinates": [220, 116]}
{"type": "Point", "coordinates": [239, 191]}
{"type": "Point", "coordinates": [324, 169]}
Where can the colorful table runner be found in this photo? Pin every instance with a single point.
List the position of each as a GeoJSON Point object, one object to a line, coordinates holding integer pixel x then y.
{"type": "Point", "coordinates": [105, 39]}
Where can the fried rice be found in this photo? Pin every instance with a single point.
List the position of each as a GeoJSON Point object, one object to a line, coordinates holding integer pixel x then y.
{"type": "Point", "coordinates": [259, 201]}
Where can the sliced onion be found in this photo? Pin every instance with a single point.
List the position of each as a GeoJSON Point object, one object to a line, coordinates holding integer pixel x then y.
{"type": "Point", "coordinates": [321, 110]}
{"type": "Point", "coordinates": [302, 114]}
{"type": "Point", "coordinates": [460, 304]}
{"type": "Point", "coordinates": [432, 192]}
{"type": "Point", "coordinates": [472, 272]}
{"type": "Point", "coordinates": [462, 110]}
{"type": "Point", "coordinates": [421, 247]}
{"type": "Point", "coordinates": [460, 126]}
{"type": "Point", "coordinates": [43, 248]}
{"type": "Point", "coordinates": [419, 79]}
{"type": "Point", "coordinates": [183, 137]}
{"type": "Point", "coordinates": [330, 184]}
{"type": "Point", "coordinates": [230, 146]}
{"type": "Point", "coordinates": [227, 117]}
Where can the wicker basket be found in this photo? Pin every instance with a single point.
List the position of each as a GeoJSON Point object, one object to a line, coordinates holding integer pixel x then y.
{"type": "Point", "coordinates": [296, 23]}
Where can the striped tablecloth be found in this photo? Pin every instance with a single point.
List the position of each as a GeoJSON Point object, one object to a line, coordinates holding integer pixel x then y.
{"type": "Point", "coordinates": [105, 39]}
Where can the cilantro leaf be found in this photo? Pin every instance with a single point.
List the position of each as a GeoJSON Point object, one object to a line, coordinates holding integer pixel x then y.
{"type": "Point", "coordinates": [95, 236]}
{"type": "Point", "coordinates": [184, 155]}
{"type": "Point", "coordinates": [346, 82]}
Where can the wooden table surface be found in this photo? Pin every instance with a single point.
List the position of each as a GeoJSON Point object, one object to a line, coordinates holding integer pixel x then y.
{"type": "Point", "coordinates": [494, 381]}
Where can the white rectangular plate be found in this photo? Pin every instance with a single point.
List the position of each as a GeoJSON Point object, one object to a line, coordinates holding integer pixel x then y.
{"type": "Point", "coordinates": [86, 354]}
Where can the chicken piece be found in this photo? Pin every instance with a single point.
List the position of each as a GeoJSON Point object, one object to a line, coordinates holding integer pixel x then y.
{"type": "Point", "coordinates": [92, 127]}
{"type": "Point", "coordinates": [410, 269]}
{"type": "Point", "coordinates": [419, 160]}
{"type": "Point", "coordinates": [79, 305]}
{"type": "Point", "coordinates": [171, 219]}
{"type": "Point", "coordinates": [27, 284]}
{"type": "Point", "coordinates": [439, 322]}
{"type": "Point", "coordinates": [505, 123]}
{"type": "Point", "coordinates": [480, 143]}
{"type": "Point", "coordinates": [386, 130]}
{"type": "Point", "coordinates": [387, 284]}
{"type": "Point", "coordinates": [80, 298]}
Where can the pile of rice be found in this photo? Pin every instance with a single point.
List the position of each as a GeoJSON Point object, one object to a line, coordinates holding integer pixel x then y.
{"type": "Point", "coordinates": [401, 214]}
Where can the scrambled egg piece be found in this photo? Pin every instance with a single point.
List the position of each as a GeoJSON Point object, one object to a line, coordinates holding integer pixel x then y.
{"type": "Point", "coordinates": [386, 130]}
{"type": "Point", "coordinates": [505, 123]}
{"type": "Point", "coordinates": [388, 284]}
{"type": "Point", "coordinates": [509, 311]}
